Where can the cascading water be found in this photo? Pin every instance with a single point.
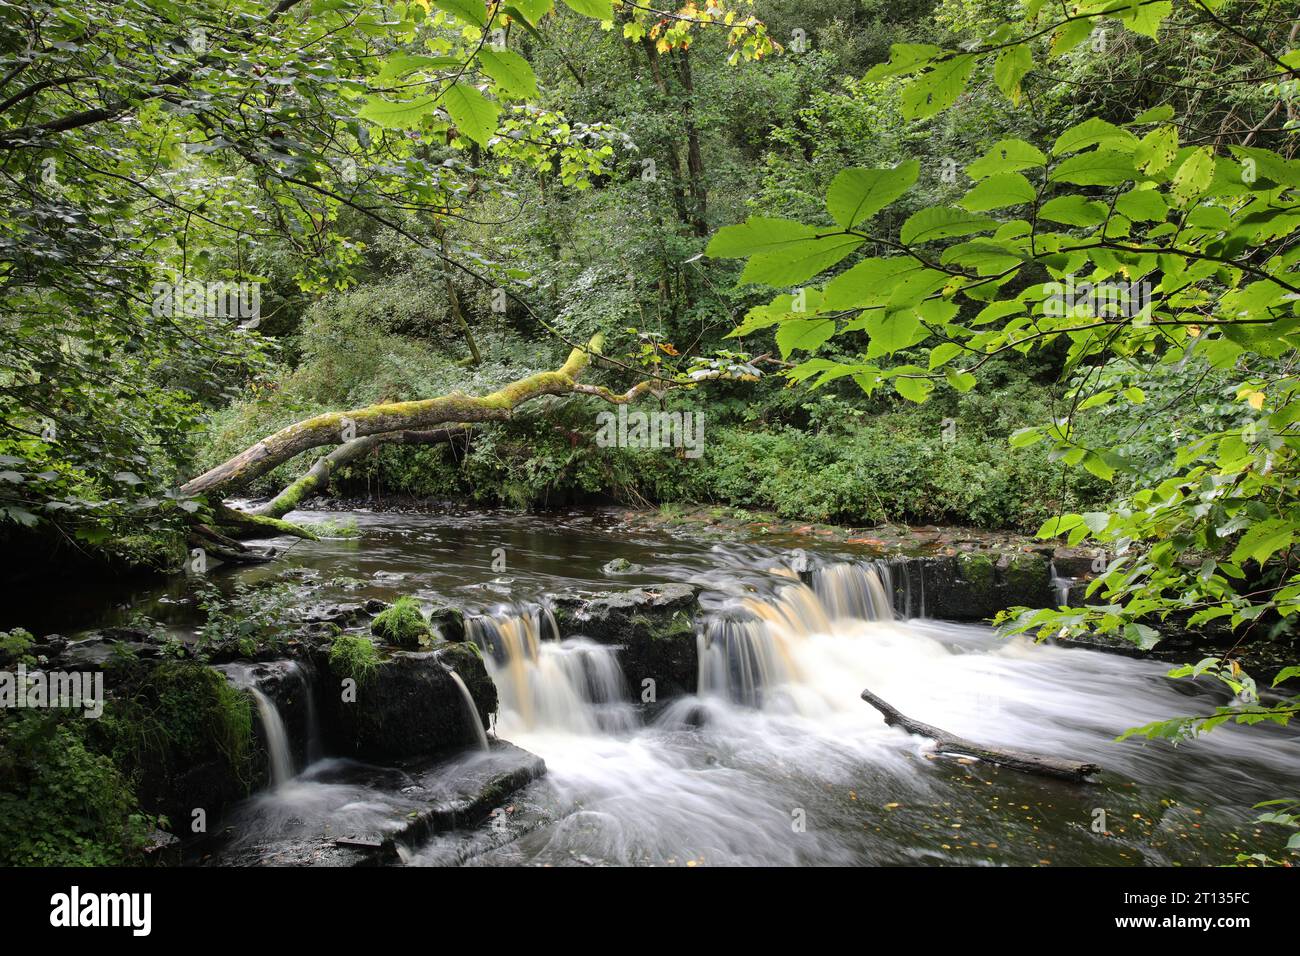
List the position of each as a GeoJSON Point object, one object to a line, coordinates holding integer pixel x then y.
{"type": "Point", "coordinates": [548, 684]}
{"type": "Point", "coordinates": [480, 735]}
{"type": "Point", "coordinates": [277, 738]}
{"type": "Point", "coordinates": [754, 650]}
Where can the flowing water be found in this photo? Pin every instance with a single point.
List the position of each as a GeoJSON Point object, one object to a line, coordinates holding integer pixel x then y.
{"type": "Point", "coordinates": [777, 760]}
{"type": "Point", "coordinates": [277, 738]}
{"type": "Point", "coordinates": [480, 735]}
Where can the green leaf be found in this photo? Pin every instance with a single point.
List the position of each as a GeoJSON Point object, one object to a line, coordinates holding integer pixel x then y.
{"type": "Point", "coordinates": [1023, 437]}
{"type": "Point", "coordinates": [941, 222]}
{"type": "Point", "coordinates": [399, 65]}
{"type": "Point", "coordinates": [961, 381]}
{"type": "Point", "coordinates": [512, 73]}
{"type": "Point", "coordinates": [533, 10]}
{"type": "Point", "coordinates": [1093, 132]}
{"type": "Point", "coordinates": [1194, 175]}
{"type": "Point", "coordinates": [856, 195]}
{"type": "Point", "coordinates": [1263, 540]}
{"type": "Point", "coordinates": [936, 90]}
{"type": "Point", "coordinates": [1055, 527]}
{"type": "Point", "coordinates": [1143, 205]}
{"type": "Point", "coordinates": [404, 115]}
{"type": "Point", "coordinates": [904, 58]}
{"type": "Point", "coordinates": [805, 334]}
{"type": "Point", "coordinates": [1074, 210]}
{"type": "Point", "coordinates": [1100, 167]}
{"type": "Point", "coordinates": [596, 9]}
{"type": "Point", "coordinates": [998, 191]}
{"type": "Point", "coordinates": [1010, 68]}
{"type": "Point", "coordinates": [1098, 466]}
{"type": "Point", "coordinates": [473, 12]}
{"type": "Point", "coordinates": [1157, 114]}
{"type": "Point", "coordinates": [799, 261]}
{"type": "Point", "coordinates": [1006, 156]}
{"type": "Point", "coordinates": [756, 234]}
{"type": "Point", "coordinates": [892, 332]}
{"type": "Point", "coordinates": [473, 113]}
{"type": "Point", "coordinates": [914, 389]}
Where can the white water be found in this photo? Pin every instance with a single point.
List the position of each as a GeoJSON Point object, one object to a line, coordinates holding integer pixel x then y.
{"type": "Point", "coordinates": [778, 761]}
{"type": "Point", "coordinates": [277, 738]}
{"type": "Point", "coordinates": [472, 711]}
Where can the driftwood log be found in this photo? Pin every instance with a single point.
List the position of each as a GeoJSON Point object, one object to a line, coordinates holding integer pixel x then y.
{"type": "Point", "coordinates": [945, 742]}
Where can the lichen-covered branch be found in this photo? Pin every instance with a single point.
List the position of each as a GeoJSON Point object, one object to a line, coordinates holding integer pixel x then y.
{"type": "Point", "coordinates": [317, 478]}
{"type": "Point", "coordinates": [336, 427]}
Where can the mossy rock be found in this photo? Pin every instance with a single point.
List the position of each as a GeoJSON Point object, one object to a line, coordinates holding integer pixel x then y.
{"type": "Point", "coordinates": [403, 625]}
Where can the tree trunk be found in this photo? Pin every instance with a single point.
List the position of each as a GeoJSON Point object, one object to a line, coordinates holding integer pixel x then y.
{"type": "Point", "coordinates": [945, 742]}
{"type": "Point", "coordinates": [694, 155]}
{"type": "Point", "coordinates": [317, 478]}
{"type": "Point", "coordinates": [334, 428]}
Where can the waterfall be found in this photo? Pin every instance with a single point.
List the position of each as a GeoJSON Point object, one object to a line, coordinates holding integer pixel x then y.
{"type": "Point", "coordinates": [277, 739]}
{"type": "Point", "coordinates": [548, 684]}
{"type": "Point", "coordinates": [480, 735]}
{"type": "Point", "coordinates": [749, 651]}
{"type": "Point", "coordinates": [314, 750]}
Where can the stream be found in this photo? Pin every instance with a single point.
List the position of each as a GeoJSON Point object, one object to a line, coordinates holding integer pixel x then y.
{"type": "Point", "coordinates": [776, 760]}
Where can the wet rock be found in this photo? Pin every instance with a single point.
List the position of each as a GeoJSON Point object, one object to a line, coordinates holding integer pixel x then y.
{"type": "Point", "coordinates": [341, 615]}
{"type": "Point", "coordinates": [409, 706]}
{"type": "Point", "coordinates": [655, 628]}
{"type": "Point", "coordinates": [973, 586]}
{"type": "Point", "coordinates": [448, 622]}
{"type": "Point", "coordinates": [621, 566]}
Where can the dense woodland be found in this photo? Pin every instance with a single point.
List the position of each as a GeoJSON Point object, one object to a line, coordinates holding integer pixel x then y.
{"type": "Point", "coordinates": [834, 228]}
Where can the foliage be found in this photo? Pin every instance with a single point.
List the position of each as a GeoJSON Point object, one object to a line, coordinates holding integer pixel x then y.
{"type": "Point", "coordinates": [401, 624]}
{"type": "Point", "coordinates": [61, 803]}
{"type": "Point", "coordinates": [353, 656]}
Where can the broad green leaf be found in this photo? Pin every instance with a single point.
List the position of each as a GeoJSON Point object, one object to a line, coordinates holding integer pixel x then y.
{"type": "Point", "coordinates": [399, 65]}
{"type": "Point", "coordinates": [855, 195]}
{"type": "Point", "coordinates": [998, 191]}
{"type": "Point", "coordinates": [914, 389]}
{"type": "Point", "coordinates": [1264, 539]}
{"type": "Point", "coordinates": [942, 222]}
{"type": "Point", "coordinates": [512, 73]}
{"type": "Point", "coordinates": [1157, 149]}
{"type": "Point", "coordinates": [756, 234]}
{"type": "Point", "coordinates": [1022, 437]}
{"type": "Point", "coordinates": [1143, 205]}
{"type": "Point", "coordinates": [1102, 167]}
{"type": "Point", "coordinates": [799, 261]}
{"type": "Point", "coordinates": [936, 90]}
{"type": "Point", "coordinates": [1006, 156]}
{"type": "Point", "coordinates": [398, 115]}
{"type": "Point", "coordinates": [805, 334]}
{"type": "Point", "coordinates": [904, 58]}
{"type": "Point", "coordinates": [473, 113]}
{"type": "Point", "coordinates": [892, 332]}
{"type": "Point", "coordinates": [1074, 210]}
{"type": "Point", "coordinates": [1093, 132]}
{"type": "Point", "coordinates": [596, 9]}
{"type": "Point", "coordinates": [473, 12]}
{"type": "Point", "coordinates": [1193, 176]}
{"type": "Point", "coordinates": [1010, 68]}
{"type": "Point", "coordinates": [961, 381]}
{"type": "Point", "coordinates": [533, 10]}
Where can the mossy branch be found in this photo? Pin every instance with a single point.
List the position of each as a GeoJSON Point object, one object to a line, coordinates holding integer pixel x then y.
{"type": "Point", "coordinates": [335, 427]}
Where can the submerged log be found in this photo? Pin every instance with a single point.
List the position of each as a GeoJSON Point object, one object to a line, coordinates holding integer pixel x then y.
{"type": "Point", "coordinates": [945, 742]}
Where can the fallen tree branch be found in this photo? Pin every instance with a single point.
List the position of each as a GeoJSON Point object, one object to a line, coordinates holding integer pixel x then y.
{"type": "Point", "coordinates": [317, 478]}
{"type": "Point", "coordinates": [335, 427]}
{"type": "Point", "coordinates": [945, 742]}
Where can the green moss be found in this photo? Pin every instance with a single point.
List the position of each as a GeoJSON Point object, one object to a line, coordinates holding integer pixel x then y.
{"type": "Point", "coordinates": [402, 624]}
{"type": "Point", "coordinates": [978, 570]}
{"type": "Point", "coordinates": [355, 657]}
